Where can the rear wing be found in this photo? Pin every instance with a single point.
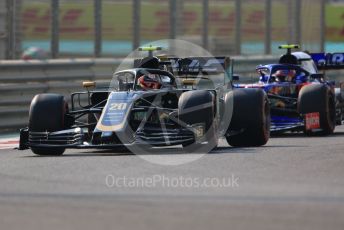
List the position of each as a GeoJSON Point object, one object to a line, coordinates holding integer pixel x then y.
{"type": "Point", "coordinates": [191, 66]}
{"type": "Point", "coordinates": [200, 65]}
{"type": "Point", "coordinates": [328, 61]}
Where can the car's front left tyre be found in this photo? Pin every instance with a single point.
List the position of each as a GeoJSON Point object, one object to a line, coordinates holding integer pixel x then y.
{"type": "Point", "coordinates": [251, 118]}
{"type": "Point", "coordinates": [198, 107]}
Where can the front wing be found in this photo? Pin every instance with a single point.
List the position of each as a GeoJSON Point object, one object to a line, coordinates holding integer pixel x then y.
{"type": "Point", "coordinates": [76, 138]}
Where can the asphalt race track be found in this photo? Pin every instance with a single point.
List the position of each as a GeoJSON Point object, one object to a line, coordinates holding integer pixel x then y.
{"type": "Point", "coordinates": [294, 182]}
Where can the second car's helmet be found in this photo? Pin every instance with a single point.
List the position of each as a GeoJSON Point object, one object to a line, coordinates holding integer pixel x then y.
{"type": "Point", "coordinates": [147, 82]}
{"type": "Point", "coordinates": [284, 75]}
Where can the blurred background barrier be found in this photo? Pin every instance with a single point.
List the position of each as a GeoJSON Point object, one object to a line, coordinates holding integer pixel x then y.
{"type": "Point", "coordinates": [113, 28]}
{"type": "Point", "coordinates": [21, 80]}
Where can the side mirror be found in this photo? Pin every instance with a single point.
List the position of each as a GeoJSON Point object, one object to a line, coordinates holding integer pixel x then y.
{"type": "Point", "coordinates": [89, 84]}
{"type": "Point", "coordinates": [317, 76]}
{"type": "Point", "coordinates": [236, 77]}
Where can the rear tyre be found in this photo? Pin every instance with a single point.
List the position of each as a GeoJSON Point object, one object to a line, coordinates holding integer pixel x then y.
{"type": "Point", "coordinates": [47, 114]}
{"type": "Point", "coordinates": [251, 118]}
{"type": "Point", "coordinates": [198, 107]}
{"type": "Point", "coordinates": [318, 98]}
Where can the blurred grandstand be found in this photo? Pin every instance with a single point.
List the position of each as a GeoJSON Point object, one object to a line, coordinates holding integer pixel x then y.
{"type": "Point", "coordinates": [115, 27]}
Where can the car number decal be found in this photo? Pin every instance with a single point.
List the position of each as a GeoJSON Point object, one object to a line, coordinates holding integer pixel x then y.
{"type": "Point", "coordinates": [118, 106]}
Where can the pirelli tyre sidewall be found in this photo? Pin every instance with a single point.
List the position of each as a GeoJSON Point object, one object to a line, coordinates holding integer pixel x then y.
{"type": "Point", "coordinates": [250, 120]}
{"type": "Point", "coordinates": [318, 98]}
{"type": "Point", "coordinates": [195, 107]}
{"type": "Point", "coordinates": [47, 114]}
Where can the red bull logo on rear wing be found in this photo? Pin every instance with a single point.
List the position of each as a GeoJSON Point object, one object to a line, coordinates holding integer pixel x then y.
{"type": "Point", "coordinates": [328, 61]}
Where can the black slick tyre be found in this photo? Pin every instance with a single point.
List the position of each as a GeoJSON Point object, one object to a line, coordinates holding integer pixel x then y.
{"type": "Point", "coordinates": [47, 114]}
{"type": "Point", "coordinates": [251, 118]}
{"type": "Point", "coordinates": [198, 107]}
{"type": "Point", "coordinates": [318, 98]}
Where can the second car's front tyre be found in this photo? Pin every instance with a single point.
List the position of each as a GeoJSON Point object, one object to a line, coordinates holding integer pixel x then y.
{"type": "Point", "coordinates": [318, 98]}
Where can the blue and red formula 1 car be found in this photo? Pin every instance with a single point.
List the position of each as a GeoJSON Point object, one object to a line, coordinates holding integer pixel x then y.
{"type": "Point", "coordinates": [300, 97]}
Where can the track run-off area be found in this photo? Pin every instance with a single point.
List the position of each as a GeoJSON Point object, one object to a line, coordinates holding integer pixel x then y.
{"type": "Point", "coordinates": [294, 182]}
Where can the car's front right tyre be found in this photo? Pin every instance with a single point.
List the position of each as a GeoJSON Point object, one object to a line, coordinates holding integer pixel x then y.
{"type": "Point", "coordinates": [47, 114]}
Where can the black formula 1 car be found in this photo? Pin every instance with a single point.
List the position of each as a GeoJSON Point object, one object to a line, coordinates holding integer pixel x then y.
{"type": "Point", "coordinates": [159, 102]}
{"type": "Point", "coordinates": [300, 97]}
